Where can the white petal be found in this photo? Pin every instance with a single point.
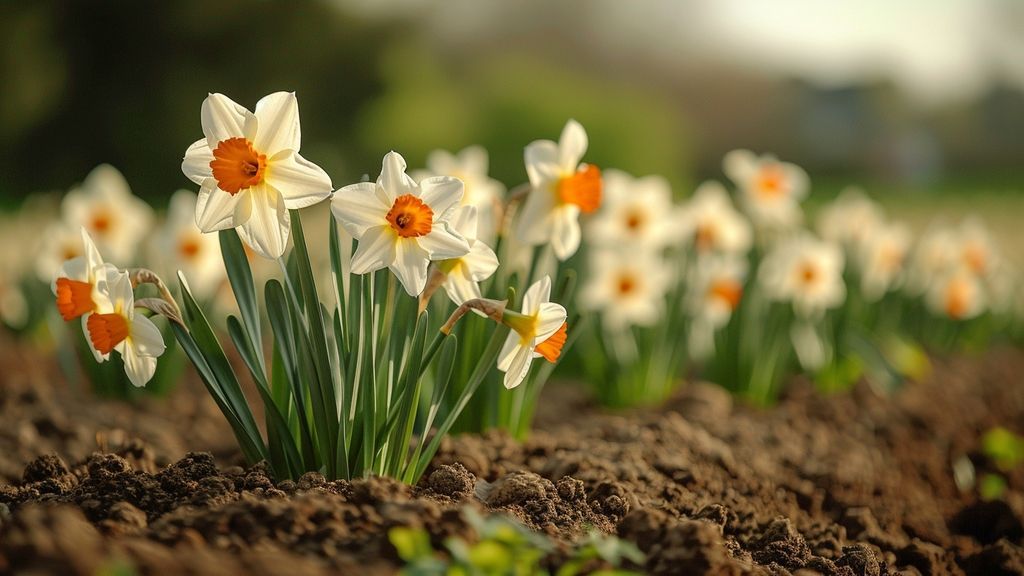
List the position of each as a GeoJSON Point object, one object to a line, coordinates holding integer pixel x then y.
{"type": "Point", "coordinates": [376, 250]}
{"type": "Point", "coordinates": [100, 358]}
{"type": "Point", "coordinates": [219, 210]}
{"type": "Point", "coordinates": [565, 235]}
{"type": "Point", "coordinates": [460, 287]}
{"type": "Point", "coordinates": [740, 165]}
{"type": "Point", "coordinates": [358, 207]}
{"type": "Point", "coordinates": [76, 269]}
{"type": "Point", "coordinates": [508, 351]}
{"type": "Point", "coordinates": [196, 164]}
{"type": "Point", "coordinates": [533, 224]}
{"type": "Point", "coordinates": [393, 180]}
{"type": "Point", "coordinates": [481, 261]}
{"type": "Point", "coordinates": [464, 221]}
{"type": "Point", "coordinates": [146, 338]}
{"type": "Point", "coordinates": [300, 182]}
{"type": "Point", "coordinates": [139, 368]}
{"type": "Point", "coordinates": [222, 118]}
{"type": "Point", "coordinates": [443, 244]}
{"type": "Point", "coordinates": [572, 145]}
{"type": "Point", "coordinates": [441, 193]}
{"type": "Point", "coordinates": [474, 160]}
{"type": "Point", "coordinates": [549, 320]}
{"type": "Point", "coordinates": [519, 368]}
{"type": "Point", "coordinates": [278, 123]}
{"type": "Point", "coordinates": [536, 295]}
{"type": "Point", "coordinates": [268, 227]}
{"type": "Point", "coordinates": [410, 265]}
{"type": "Point", "coordinates": [541, 158]}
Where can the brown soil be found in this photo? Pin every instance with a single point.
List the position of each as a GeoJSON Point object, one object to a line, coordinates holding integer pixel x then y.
{"type": "Point", "coordinates": [852, 484]}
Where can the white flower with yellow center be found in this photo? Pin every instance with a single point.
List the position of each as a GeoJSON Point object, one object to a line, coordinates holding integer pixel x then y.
{"type": "Point", "coordinates": [250, 172]}
{"type": "Point", "coordinates": [709, 221]}
{"type": "Point", "coordinates": [80, 284]}
{"type": "Point", "coordinates": [637, 211]}
{"type": "Point", "coordinates": [713, 295]}
{"type": "Point", "coordinates": [105, 206]}
{"type": "Point", "coordinates": [116, 326]}
{"type": "Point", "coordinates": [805, 271]}
{"type": "Point", "coordinates": [851, 219]}
{"type": "Point", "coordinates": [182, 246]}
{"type": "Point", "coordinates": [561, 190]}
{"type": "Point", "coordinates": [481, 191]}
{"type": "Point", "coordinates": [538, 332]}
{"type": "Point", "coordinates": [957, 295]}
{"type": "Point", "coordinates": [400, 224]}
{"type": "Point", "coordinates": [627, 287]}
{"type": "Point", "coordinates": [882, 259]}
{"type": "Point", "coordinates": [463, 274]}
{"type": "Point", "coordinates": [770, 190]}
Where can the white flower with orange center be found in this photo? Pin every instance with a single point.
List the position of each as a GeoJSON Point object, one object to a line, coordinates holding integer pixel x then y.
{"type": "Point", "coordinates": [770, 190]}
{"type": "Point", "coordinates": [250, 172]}
{"type": "Point", "coordinates": [805, 271]}
{"type": "Point", "coordinates": [714, 293]}
{"type": "Point", "coordinates": [957, 295]}
{"type": "Point", "coordinates": [463, 274]}
{"type": "Point", "coordinates": [400, 224]}
{"type": "Point", "coordinates": [978, 251]}
{"type": "Point", "coordinates": [935, 255]}
{"type": "Point", "coordinates": [60, 242]}
{"type": "Point", "coordinates": [114, 217]}
{"type": "Point", "coordinates": [882, 259]}
{"type": "Point", "coordinates": [182, 246]}
{"type": "Point", "coordinates": [80, 284]}
{"type": "Point", "coordinates": [540, 331]}
{"type": "Point", "coordinates": [634, 210]}
{"type": "Point", "coordinates": [481, 191]}
{"type": "Point", "coordinates": [627, 287]}
{"type": "Point", "coordinates": [710, 223]}
{"type": "Point", "coordinates": [116, 326]}
{"type": "Point", "coordinates": [561, 190]}
{"type": "Point", "coordinates": [850, 220]}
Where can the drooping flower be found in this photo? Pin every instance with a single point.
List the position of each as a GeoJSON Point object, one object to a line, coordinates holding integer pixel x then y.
{"type": "Point", "coordinates": [770, 190]}
{"type": "Point", "coordinates": [115, 326]}
{"type": "Point", "coordinates": [957, 295]}
{"type": "Point", "coordinates": [538, 332]}
{"type": "Point", "coordinates": [182, 246]}
{"type": "Point", "coordinates": [627, 287]}
{"type": "Point", "coordinates": [561, 190]}
{"type": "Point", "coordinates": [805, 271]}
{"type": "Point", "coordinates": [80, 284]}
{"type": "Point", "coordinates": [850, 220]}
{"type": "Point", "coordinates": [481, 191]}
{"type": "Point", "coordinates": [882, 259]}
{"type": "Point", "coordinates": [250, 172]}
{"type": "Point", "coordinates": [114, 217]}
{"type": "Point", "coordinates": [400, 224]}
{"type": "Point", "coordinates": [637, 211]}
{"type": "Point", "coordinates": [713, 294]}
{"type": "Point", "coordinates": [709, 221]}
{"type": "Point", "coordinates": [463, 274]}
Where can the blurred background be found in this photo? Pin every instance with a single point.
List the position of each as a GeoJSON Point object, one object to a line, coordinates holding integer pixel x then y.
{"type": "Point", "coordinates": [920, 102]}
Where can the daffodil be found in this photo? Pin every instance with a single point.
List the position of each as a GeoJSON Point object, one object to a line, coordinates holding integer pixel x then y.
{"type": "Point", "coordinates": [105, 206]}
{"type": "Point", "coordinates": [637, 211]}
{"type": "Point", "coordinates": [462, 274]}
{"type": "Point", "coordinates": [713, 295]}
{"type": "Point", "coordinates": [481, 191]}
{"type": "Point", "coordinates": [538, 332]}
{"type": "Point", "coordinates": [957, 295]}
{"type": "Point", "coordinates": [850, 220]}
{"type": "Point", "coordinates": [882, 258]}
{"type": "Point", "coordinates": [561, 190]}
{"type": "Point", "coordinates": [935, 254]}
{"type": "Point", "coordinates": [182, 246]}
{"type": "Point", "coordinates": [250, 172]}
{"type": "Point", "coordinates": [770, 190]}
{"type": "Point", "coordinates": [807, 272]}
{"type": "Point", "coordinates": [60, 242]}
{"type": "Point", "coordinates": [627, 287]}
{"type": "Point", "coordinates": [80, 284]}
{"type": "Point", "coordinates": [114, 325]}
{"type": "Point", "coordinates": [400, 224]}
{"type": "Point", "coordinates": [978, 251]}
{"type": "Point", "coordinates": [709, 221]}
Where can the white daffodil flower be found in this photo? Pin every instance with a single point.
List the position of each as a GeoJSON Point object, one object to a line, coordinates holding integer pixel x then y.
{"type": "Point", "coordinates": [561, 189]}
{"type": "Point", "coordinates": [957, 295]}
{"type": "Point", "coordinates": [850, 220]}
{"type": "Point", "coordinates": [713, 295]}
{"type": "Point", "coordinates": [770, 190]}
{"type": "Point", "coordinates": [182, 246]}
{"type": "Point", "coordinates": [80, 284]}
{"type": "Point", "coordinates": [978, 251]}
{"type": "Point", "coordinates": [882, 258]}
{"type": "Point", "coordinates": [627, 287]}
{"type": "Point", "coordinates": [637, 211]}
{"type": "Point", "coordinates": [116, 326]}
{"type": "Point", "coordinates": [400, 224]}
{"type": "Point", "coordinates": [481, 191]}
{"type": "Point", "coordinates": [105, 206]}
{"type": "Point", "coordinates": [806, 271]}
{"type": "Point", "coordinates": [462, 274]}
{"type": "Point", "coordinates": [250, 172]}
{"type": "Point", "coordinates": [709, 221]}
{"type": "Point", "coordinates": [935, 255]}
{"type": "Point", "coordinates": [60, 242]}
{"type": "Point", "coordinates": [539, 331]}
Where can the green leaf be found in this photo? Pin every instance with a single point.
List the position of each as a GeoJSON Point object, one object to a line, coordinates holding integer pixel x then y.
{"type": "Point", "coordinates": [240, 276]}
